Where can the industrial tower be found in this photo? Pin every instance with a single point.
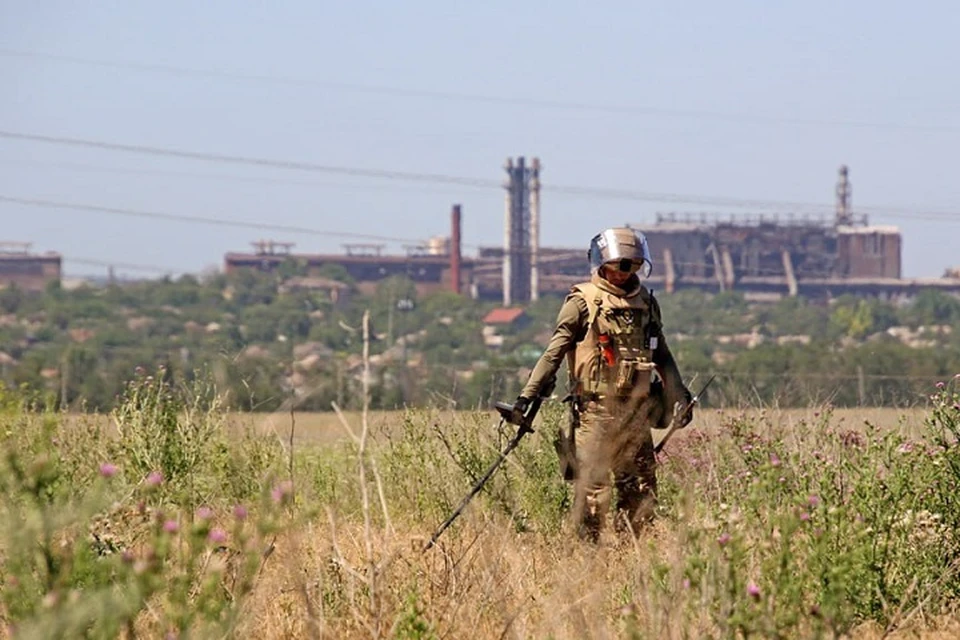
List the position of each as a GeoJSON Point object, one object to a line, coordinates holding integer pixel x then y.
{"type": "Point", "coordinates": [844, 213]}
{"type": "Point", "coordinates": [521, 238]}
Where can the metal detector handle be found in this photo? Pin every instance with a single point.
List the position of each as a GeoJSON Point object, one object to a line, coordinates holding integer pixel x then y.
{"type": "Point", "coordinates": [509, 413]}
{"type": "Point", "coordinates": [678, 415]}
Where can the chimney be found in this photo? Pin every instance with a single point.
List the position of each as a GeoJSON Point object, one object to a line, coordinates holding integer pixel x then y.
{"type": "Point", "coordinates": [455, 248]}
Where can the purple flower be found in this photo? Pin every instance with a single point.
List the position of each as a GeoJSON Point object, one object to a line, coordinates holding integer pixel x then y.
{"type": "Point", "coordinates": [204, 513]}
{"type": "Point", "coordinates": [154, 479]}
{"type": "Point", "coordinates": [240, 512]}
{"type": "Point", "coordinates": [940, 385]}
{"type": "Point", "coordinates": [813, 501]}
{"type": "Point", "coordinates": [723, 539]}
{"type": "Point", "coordinates": [171, 526]}
{"type": "Point", "coordinates": [217, 536]}
{"type": "Point", "coordinates": [282, 491]}
{"type": "Point", "coordinates": [108, 470]}
{"type": "Point", "coordinates": [774, 460]}
{"type": "Point", "coordinates": [804, 516]}
{"type": "Point", "coordinates": [753, 590]}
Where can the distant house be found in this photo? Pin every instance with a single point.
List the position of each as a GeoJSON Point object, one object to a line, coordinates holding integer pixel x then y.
{"type": "Point", "coordinates": [511, 317]}
{"type": "Point", "coordinates": [508, 316]}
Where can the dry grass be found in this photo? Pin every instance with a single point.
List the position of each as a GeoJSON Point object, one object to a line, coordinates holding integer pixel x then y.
{"type": "Point", "coordinates": [319, 428]}
{"type": "Point", "coordinates": [342, 575]}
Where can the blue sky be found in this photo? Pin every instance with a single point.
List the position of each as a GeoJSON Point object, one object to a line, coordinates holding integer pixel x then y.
{"type": "Point", "coordinates": [747, 100]}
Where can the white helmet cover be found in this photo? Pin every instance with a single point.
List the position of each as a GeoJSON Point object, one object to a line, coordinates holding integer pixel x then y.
{"type": "Point", "coordinates": [624, 247]}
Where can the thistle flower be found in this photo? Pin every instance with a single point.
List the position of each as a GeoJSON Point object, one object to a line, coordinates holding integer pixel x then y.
{"type": "Point", "coordinates": [155, 479]}
{"type": "Point", "coordinates": [753, 590]}
{"type": "Point", "coordinates": [108, 470]}
{"type": "Point", "coordinates": [282, 492]}
{"type": "Point", "coordinates": [217, 536]}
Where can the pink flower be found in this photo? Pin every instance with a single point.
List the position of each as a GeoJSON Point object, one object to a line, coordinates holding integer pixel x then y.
{"type": "Point", "coordinates": [217, 536]}
{"type": "Point", "coordinates": [240, 512]}
{"type": "Point", "coordinates": [753, 590]}
{"type": "Point", "coordinates": [108, 470]}
{"type": "Point", "coordinates": [940, 385]}
{"type": "Point", "coordinates": [204, 513]}
{"type": "Point", "coordinates": [774, 460]}
{"type": "Point", "coordinates": [804, 516]}
{"type": "Point", "coordinates": [171, 526]}
{"type": "Point", "coordinates": [154, 479]}
{"type": "Point", "coordinates": [813, 501]}
{"type": "Point", "coordinates": [282, 491]}
{"type": "Point", "coordinates": [723, 539]}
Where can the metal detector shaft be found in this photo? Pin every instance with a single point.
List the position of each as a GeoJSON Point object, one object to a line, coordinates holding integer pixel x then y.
{"type": "Point", "coordinates": [522, 430]}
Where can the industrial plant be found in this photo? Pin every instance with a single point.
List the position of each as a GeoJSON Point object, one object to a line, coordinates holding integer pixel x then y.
{"type": "Point", "coordinates": [760, 255]}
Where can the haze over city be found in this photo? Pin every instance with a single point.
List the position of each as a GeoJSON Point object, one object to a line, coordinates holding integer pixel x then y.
{"type": "Point", "coordinates": [690, 107]}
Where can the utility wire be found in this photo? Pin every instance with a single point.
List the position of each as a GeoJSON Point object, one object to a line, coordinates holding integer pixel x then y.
{"type": "Point", "coordinates": [645, 110]}
{"type": "Point", "coordinates": [89, 168]}
{"type": "Point", "coordinates": [174, 217]}
{"type": "Point", "coordinates": [280, 164]}
{"type": "Point", "coordinates": [595, 192]}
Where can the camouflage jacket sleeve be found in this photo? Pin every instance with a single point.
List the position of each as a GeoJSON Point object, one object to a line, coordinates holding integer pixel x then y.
{"type": "Point", "coordinates": [571, 328]}
{"type": "Point", "coordinates": [674, 389]}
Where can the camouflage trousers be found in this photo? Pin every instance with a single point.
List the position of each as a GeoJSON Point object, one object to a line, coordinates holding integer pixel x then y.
{"type": "Point", "coordinates": [614, 448]}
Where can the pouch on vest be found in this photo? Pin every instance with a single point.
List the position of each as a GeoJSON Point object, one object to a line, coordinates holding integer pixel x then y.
{"type": "Point", "coordinates": [633, 377]}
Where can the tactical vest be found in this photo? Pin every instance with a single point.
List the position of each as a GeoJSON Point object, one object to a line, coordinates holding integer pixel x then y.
{"type": "Point", "coordinates": [615, 358]}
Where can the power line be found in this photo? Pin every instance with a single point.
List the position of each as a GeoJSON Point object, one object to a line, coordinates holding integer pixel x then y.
{"type": "Point", "coordinates": [174, 217]}
{"type": "Point", "coordinates": [263, 162]}
{"type": "Point", "coordinates": [594, 192]}
{"type": "Point", "coordinates": [73, 166]}
{"type": "Point", "coordinates": [744, 118]}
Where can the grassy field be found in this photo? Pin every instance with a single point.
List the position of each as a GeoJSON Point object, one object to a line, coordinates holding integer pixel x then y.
{"type": "Point", "coordinates": [180, 519]}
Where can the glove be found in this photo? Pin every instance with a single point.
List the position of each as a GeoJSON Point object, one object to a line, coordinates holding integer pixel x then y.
{"type": "Point", "coordinates": [520, 408]}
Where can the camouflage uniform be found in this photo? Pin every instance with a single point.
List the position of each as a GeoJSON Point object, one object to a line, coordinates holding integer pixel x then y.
{"type": "Point", "coordinates": [612, 339]}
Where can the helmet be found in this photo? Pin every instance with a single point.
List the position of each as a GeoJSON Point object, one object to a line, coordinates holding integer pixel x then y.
{"type": "Point", "coordinates": [622, 247]}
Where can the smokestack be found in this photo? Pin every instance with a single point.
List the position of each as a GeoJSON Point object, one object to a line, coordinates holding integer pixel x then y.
{"type": "Point", "coordinates": [455, 248]}
{"type": "Point", "coordinates": [507, 227]}
{"type": "Point", "coordinates": [844, 215]}
{"type": "Point", "coordinates": [535, 229]}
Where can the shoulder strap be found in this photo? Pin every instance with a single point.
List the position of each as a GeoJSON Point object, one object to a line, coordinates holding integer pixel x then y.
{"type": "Point", "coordinates": [593, 296]}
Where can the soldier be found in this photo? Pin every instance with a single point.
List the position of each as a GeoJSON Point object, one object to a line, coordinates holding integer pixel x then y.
{"type": "Point", "coordinates": [623, 382]}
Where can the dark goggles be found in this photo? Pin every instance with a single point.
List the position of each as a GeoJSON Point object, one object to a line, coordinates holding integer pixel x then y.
{"type": "Point", "coordinates": [625, 265]}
